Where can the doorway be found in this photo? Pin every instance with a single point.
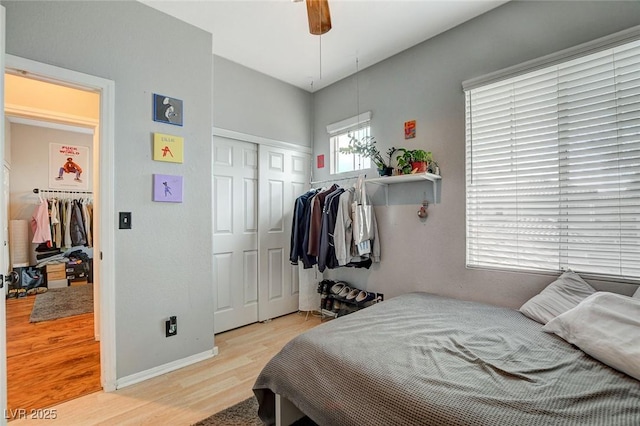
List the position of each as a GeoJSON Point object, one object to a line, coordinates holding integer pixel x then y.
{"type": "Point", "coordinates": [42, 120]}
{"type": "Point", "coordinates": [103, 169]}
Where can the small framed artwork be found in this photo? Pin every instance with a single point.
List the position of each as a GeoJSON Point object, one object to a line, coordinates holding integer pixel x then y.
{"type": "Point", "coordinates": [167, 188]}
{"type": "Point", "coordinates": [168, 148]}
{"type": "Point", "coordinates": [410, 129]}
{"type": "Point", "coordinates": [167, 110]}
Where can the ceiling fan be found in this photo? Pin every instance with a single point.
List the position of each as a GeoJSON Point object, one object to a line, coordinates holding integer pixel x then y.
{"type": "Point", "coordinates": [318, 15]}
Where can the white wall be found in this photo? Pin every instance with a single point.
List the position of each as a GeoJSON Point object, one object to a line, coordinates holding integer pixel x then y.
{"type": "Point", "coordinates": [425, 83]}
{"type": "Point", "coordinates": [163, 264]}
{"type": "Point", "coordinates": [249, 102]}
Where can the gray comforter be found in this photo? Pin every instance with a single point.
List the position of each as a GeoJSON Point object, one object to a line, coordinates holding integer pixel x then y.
{"type": "Point", "coordinates": [420, 359]}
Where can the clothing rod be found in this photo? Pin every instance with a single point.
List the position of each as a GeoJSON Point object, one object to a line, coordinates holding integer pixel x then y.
{"type": "Point", "coordinates": [334, 180]}
{"type": "Point", "coordinates": [36, 191]}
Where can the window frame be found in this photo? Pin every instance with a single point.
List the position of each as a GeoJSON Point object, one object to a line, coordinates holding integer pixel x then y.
{"type": "Point", "coordinates": [629, 234]}
{"type": "Point", "coordinates": [358, 126]}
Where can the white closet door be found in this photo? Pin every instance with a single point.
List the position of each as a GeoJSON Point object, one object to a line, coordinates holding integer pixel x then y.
{"type": "Point", "coordinates": [283, 174]}
{"type": "Point", "coordinates": [235, 233]}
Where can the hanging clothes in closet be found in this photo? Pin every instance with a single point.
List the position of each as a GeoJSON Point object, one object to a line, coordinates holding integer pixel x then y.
{"type": "Point", "coordinates": [322, 232]}
{"type": "Point", "coordinates": [62, 223]}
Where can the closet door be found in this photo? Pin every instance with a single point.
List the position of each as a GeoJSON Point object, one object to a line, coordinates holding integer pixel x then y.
{"type": "Point", "coordinates": [235, 233]}
{"type": "Point", "coordinates": [283, 174]}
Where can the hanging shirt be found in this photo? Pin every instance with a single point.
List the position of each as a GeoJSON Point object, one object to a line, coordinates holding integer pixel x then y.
{"type": "Point", "coordinates": [40, 224]}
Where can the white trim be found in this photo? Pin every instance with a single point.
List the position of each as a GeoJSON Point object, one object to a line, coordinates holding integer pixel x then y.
{"type": "Point", "coordinates": [22, 118]}
{"type": "Point", "coordinates": [3, 327]}
{"type": "Point", "coordinates": [104, 202]}
{"type": "Point", "coordinates": [583, 49]}
{"type": "Point", "coordinates": [259, 140]}
{"type": "Point", "coordinates": [163, 369]}
{"type": "Point", "coordinates": [338, 127]}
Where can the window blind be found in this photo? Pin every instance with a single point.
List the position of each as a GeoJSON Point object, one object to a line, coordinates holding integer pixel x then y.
{"type": "Point", "coordinates": [553, 167]}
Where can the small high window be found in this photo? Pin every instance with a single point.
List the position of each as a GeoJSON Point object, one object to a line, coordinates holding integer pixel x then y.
{"type": "Point", "coordinates": [339, 136]}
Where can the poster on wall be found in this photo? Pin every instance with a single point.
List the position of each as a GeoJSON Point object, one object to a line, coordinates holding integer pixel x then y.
{"type": "Point", "coordinates": [68, 167]}
{"type": "Point", "coordinates": [168, 148]}
{"type": "Point", "coordinates": [167, 110]}
{"type": "Point", "coordinates": [167, 188]}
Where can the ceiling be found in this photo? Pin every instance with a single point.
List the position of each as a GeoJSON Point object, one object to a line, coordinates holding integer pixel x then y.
{"type": "Point", "coordinates": [272, 36]}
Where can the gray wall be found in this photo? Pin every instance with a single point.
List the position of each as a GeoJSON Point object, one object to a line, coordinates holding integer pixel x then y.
{"type": "Point", "coordinates": [425, 83]}
{"type": "Point", "coordinates": [255, 104]}
{"type": "Point", "coordinates": [163, 264]}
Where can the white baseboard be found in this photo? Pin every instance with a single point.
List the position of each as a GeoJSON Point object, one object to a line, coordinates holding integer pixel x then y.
{"type": "Point", "coordinates": [163, 369]}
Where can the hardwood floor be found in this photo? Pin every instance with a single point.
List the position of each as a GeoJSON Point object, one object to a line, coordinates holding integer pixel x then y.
{"type": "Point", "coordinates": [193, 393]}
{"type": "Point", "coordinates": [49, 362]}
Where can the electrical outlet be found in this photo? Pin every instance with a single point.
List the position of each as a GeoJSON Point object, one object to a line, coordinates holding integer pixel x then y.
{"type": "Point", "coordinates": [171, 326]}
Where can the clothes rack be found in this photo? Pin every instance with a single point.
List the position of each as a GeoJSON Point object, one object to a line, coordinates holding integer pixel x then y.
{"type": "Point", "coordinates": [62, 191]}
{"type": "Point", "coordinates": [319, 182]}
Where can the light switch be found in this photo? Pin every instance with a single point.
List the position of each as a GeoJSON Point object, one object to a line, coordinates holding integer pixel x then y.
{"type": "Point", "coordinates": [125, 220]}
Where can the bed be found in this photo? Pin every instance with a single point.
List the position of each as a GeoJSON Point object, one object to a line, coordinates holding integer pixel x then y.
{"type": "Point", "coordinates": [422, 359]}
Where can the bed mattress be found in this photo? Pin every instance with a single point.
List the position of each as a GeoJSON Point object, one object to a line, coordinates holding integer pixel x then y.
{"type": "Point", "coordinates": [421, 359]}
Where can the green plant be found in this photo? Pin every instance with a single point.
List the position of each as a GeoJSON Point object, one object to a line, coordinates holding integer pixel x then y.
{"type": "Point", "coordinates": [366, 147]}
{"type": "Point", "coordinates": [411, 156]}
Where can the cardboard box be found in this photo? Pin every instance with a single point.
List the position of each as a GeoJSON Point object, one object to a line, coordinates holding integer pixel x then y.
{"type": "Point", "coordinates": [57, 275]}
{"type": "Point", "coordinates": [58, 284]}
{"type": "Point", "coordinates": [56, 267]}
{"type": "Point", "coordinates": [80, 282]}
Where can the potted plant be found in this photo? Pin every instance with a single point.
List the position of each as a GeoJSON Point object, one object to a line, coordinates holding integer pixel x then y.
{"type": "Point", "coordinates": [413, 161]}
{"type": "Point", "coordinates": [366, 147]}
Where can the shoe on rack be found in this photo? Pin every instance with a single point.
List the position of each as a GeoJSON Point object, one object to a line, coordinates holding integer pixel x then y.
{"type": "Point", "coordinates": [337, 288]}
{"type": "Point", "coordinates": [345, 292]}
{"type": "Point", "coordinates": [365, 296]}
{"type": "Point", "coordinates": [353, 293]}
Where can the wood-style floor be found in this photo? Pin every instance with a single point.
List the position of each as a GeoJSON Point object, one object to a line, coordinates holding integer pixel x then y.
{"type": "Point", "coordinates": [49, 362]}
{"type": "Point", "coordinates": [193, 393]}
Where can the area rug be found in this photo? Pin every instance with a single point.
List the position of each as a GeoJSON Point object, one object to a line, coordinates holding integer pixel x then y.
{"type": "Point", "coordinates": [244, 413]}
{"type": "Point", "coordinates": [62, 302]}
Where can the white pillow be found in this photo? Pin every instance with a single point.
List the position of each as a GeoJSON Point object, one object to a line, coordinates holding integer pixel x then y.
{"type": "Point", "coordinates": [637, 293]}
{"type": "Point", "coordinates": [558, 297]}
{"type": "Point", "coordinates": [607, 327]}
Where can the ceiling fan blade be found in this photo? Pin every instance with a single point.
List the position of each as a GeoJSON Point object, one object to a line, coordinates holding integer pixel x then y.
{"type": "Point", "coordinates": [319, 17]}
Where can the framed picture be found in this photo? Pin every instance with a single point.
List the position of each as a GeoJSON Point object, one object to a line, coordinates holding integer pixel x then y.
{"type": "Point", "coordinates": [410, 129]}
{"type": "Point", "coordinates": [167, 188]}
{"type": "Point", "coordinates": [168, 148]}
{"type": "Point", "coordinates": [167, 110]}
{"type": "Point", "coordinates": [68, 167]}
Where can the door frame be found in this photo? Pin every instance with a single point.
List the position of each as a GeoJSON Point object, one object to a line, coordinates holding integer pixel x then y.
{"type": "Point", "coordinates": [105, 199]}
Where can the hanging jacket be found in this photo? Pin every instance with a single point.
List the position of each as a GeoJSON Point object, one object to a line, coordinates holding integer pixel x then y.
{"type": "Point", "coordinates": [40, 224]}
{"type": "Point", "coordinates": [77, 231]}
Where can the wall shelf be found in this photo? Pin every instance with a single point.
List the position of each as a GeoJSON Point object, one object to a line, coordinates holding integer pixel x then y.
{"type": "Point", "coordinates": [385, 181]}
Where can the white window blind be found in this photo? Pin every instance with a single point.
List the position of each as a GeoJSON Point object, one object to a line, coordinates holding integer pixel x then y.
{"type": "Point", "coordinates": [553, 167]}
